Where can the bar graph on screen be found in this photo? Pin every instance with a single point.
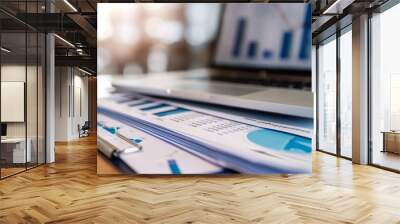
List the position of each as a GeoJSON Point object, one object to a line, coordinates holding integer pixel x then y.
{"type": "Point", "coordinates": [240, 30]}
{"type": "Point", "coordinates": [268, 36]}
{"type": "Point", "coordinates": [286, 44]}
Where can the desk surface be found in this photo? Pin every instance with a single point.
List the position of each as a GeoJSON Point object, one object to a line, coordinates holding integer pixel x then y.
{"type": "Point", "coordinates": [390, 132]}
{"type": "Point", "coordinates": [13, 140]}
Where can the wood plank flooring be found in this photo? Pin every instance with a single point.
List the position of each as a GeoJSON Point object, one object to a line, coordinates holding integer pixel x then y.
{"type": "Point", "coordinates": [10, 171]}
{"type": "Point", "coordinates": [70, 191]}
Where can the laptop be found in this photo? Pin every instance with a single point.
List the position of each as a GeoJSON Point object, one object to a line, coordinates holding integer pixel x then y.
{"type": "Point", "coordinates": [261, 61]}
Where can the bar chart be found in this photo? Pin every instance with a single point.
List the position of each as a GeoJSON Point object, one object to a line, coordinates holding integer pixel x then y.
{"type": "Point", "coordinates": [251, 49]}
{"type": "Point", "coordinates": [268, 36]}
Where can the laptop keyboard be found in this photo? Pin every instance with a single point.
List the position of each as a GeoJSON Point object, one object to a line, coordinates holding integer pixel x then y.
{"type": "Point", "coordinates": [302, 85]}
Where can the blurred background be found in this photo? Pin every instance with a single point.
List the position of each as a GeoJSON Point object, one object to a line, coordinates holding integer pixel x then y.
{"type": "Point", "coordinates": [148, 38]}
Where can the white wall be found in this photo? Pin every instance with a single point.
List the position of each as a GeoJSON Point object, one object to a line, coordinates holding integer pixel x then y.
{"type": "Point", "coordinates": [71, 93]}
{"type": "Point", "coordinates": [62, 82]}
{"type": "Point", "coordinates": [80, 115]}
{"type": "Point", "coordinates": [360, 89]}
{"type": "Point", "coordinates": [12, 73]}
{"type": "Point", "coordinates": [50, 92]}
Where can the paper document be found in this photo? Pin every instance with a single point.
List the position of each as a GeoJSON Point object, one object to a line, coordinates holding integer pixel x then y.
{"type": "Point", "coordinates": [295, 125]}
{"type": "Point", "coordinates": [231, 141]}
{"type": "Point", "coordinates": [149, 155]}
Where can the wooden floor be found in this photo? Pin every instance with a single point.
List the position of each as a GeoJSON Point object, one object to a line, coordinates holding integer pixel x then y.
{"type": "Point", "coordinates": [70, 191]}
{"type": "Point", "coordinates": [387, 159]}
{"type": "Point", "coordinates": [10, 171]}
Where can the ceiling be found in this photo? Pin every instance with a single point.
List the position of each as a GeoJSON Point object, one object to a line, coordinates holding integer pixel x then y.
{"type": "Point", "coordinates": [75, 23]}
{"type": "Point", "coordinates": [331, 15]}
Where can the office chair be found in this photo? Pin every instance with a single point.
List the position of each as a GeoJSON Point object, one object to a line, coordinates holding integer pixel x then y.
{"type": "Point", "coordinates": [84, 130]}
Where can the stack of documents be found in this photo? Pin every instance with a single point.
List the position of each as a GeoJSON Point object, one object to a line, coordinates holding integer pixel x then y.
{"type": "Point", "coordinates": [145, 154]}
{"type": "Point", "coordinates": [153, 135]}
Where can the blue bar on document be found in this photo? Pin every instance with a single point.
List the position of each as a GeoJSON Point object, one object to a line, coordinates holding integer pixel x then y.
{"type": "Point", "coordinates": [112, 130]}
{"type": "Point", "coordinates": [127, 99]}
{"type": "Point", "coordinates": [136, 140]}
{"type": "Point", "coordinates": [267, 54]}
{"type": "Point", "coordinates": [174, 166]}
{"type": "Point", "coordinates": [140, 103]}
{"type": "Point", "coordinates": [161, 105]}
{"type": "Point", "coordinates": [171, 112]}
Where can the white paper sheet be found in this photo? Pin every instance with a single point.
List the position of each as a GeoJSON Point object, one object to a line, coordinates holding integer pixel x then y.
{"type": "Point", "coordinates": [155, 156]}
{"type": "Point", "coordinates": [228, 140]}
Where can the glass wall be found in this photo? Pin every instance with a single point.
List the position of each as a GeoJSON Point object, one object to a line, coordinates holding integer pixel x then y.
{"type": "Point", "coordinates": [334, 106]}
{"type": "Point", "coordinates": [327, 95]}
{"type": "Point", "coordinates": [13, 86]}
{"type": "Point", "coordinates": [22, 91]}
{"type": "Point", "coordinates": [385, 89]}
{"type": "Point", "coordinates": [345, 59]}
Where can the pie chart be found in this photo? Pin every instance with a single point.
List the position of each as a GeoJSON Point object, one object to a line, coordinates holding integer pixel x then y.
{"type": "Point", "coordinates": [277, 140]}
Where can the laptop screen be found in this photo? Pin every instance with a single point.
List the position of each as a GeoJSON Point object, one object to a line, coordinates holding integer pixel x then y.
{"type": "Point", "coordinates": [265, 36]}
{"type": "Point", "coordinates": [3, 129]}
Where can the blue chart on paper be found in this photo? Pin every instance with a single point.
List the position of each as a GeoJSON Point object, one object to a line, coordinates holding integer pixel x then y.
{"type": "Point", "coordinates": [280, 141]}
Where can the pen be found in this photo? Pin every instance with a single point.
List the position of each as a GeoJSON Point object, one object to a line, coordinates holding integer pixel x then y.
{"type": "Point", "coordinates": [115, 144]}
{"type": "Point", "coordinates": [132, 141]}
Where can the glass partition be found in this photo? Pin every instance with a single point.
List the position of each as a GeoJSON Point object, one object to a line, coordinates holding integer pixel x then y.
{"type": "Point", "coordinates": [385, 89]}
{"type": "Point", "coordinates": [22, 78]}
{"type": "Point", "coordinates": [34, 52]}
{"type": "Point", "coordinates": [327, 95]}
{"type": "Point", "coordinates": [346, 92]}
{"type": "Point", "coordinates": [334, 83]}
{"type": "Point", "coordinates": [14, 153]}
{"type": "Point", "coordinates": [32, 98]}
